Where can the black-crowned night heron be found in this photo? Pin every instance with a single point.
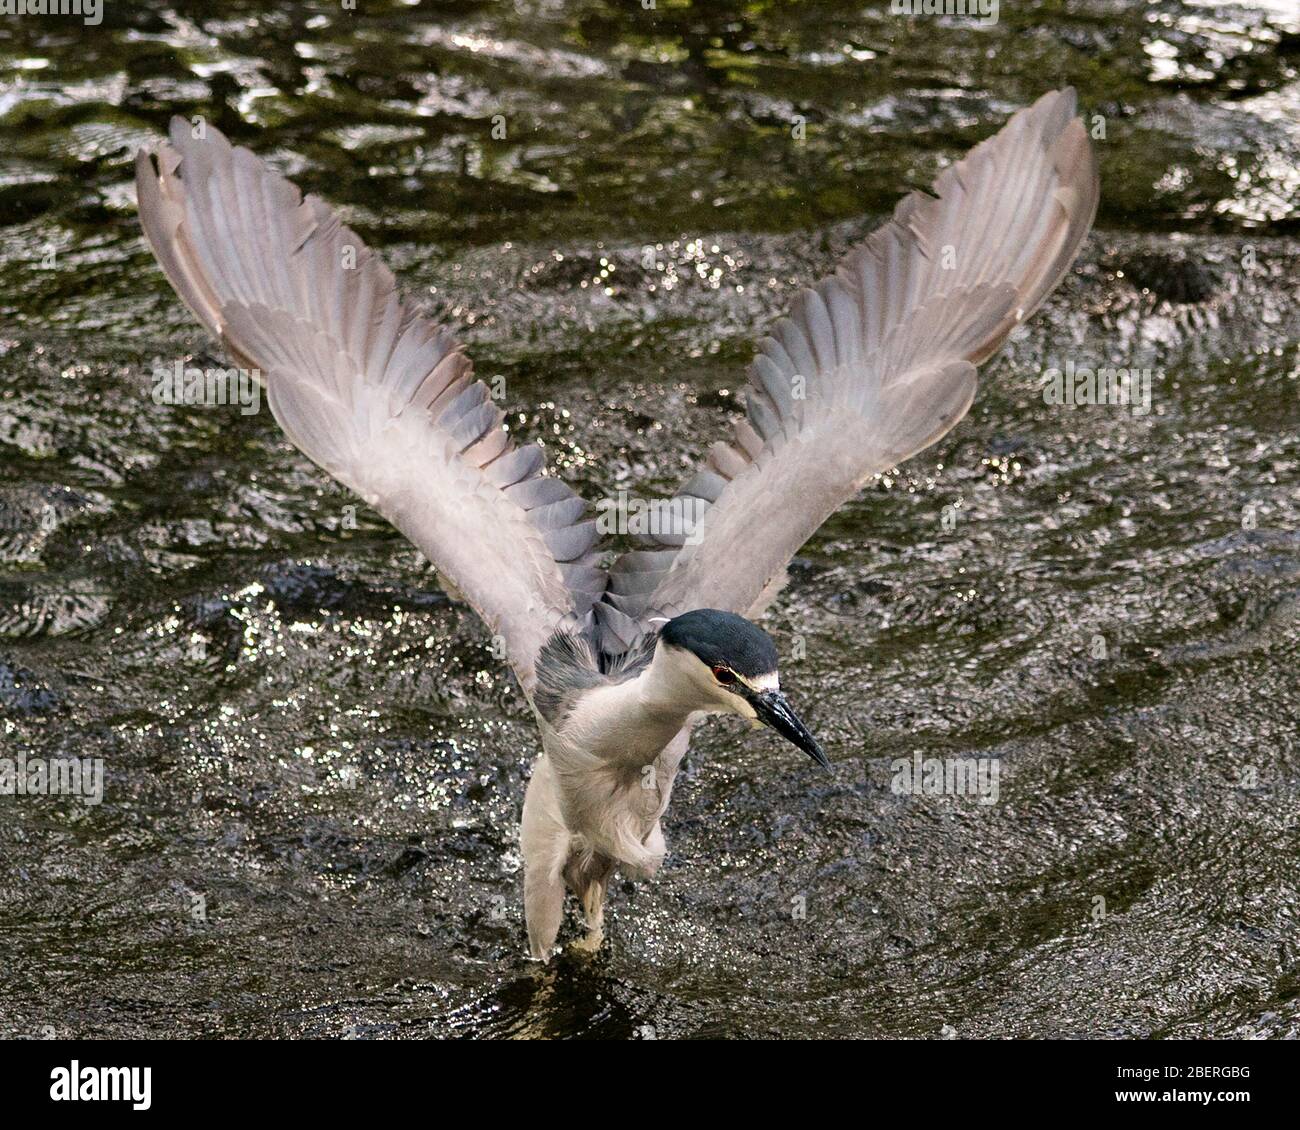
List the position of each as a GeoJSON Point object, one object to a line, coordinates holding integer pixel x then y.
{"type": "Point", "coordinates": [874, 364]}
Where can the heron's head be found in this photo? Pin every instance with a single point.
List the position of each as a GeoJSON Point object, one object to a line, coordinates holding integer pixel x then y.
{"type": "Point", "coordinates": [731, 663]}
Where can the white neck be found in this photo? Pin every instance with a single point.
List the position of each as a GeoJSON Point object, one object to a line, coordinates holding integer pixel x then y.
{"type": "Point", "coordinates": [632, 721]}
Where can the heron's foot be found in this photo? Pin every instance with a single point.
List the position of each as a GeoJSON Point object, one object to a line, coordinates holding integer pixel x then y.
{"type": "Point", "coordinates": [591, 941]}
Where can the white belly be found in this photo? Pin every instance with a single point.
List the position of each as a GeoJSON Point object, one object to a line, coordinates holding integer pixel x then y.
{"type": "Point", "coordinates": [613, 808]}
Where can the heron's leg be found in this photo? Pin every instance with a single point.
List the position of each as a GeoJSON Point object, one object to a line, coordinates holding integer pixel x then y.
{"type": "Point", "coordinates": [590, 881]}
{"type": "Point", "coordinates": [593, 911]}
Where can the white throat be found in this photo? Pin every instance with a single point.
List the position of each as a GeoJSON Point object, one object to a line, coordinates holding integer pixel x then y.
{"type": "Point", "coordinates": [633, 720]}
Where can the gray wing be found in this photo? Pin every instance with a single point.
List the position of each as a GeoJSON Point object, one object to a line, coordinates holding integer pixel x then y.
{"type": "Point", "coordinates": [873, 365]}
{"type": "Point", "coordinates": [367, 388]}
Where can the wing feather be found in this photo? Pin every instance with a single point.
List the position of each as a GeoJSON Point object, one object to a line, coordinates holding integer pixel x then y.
{"type": "Point", "coordinates": [874, 364]}
{"type": "Point", "coordinates": [370, 390]}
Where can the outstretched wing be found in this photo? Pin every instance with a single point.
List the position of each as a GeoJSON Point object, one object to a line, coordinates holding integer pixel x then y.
{"type": "Point", "coordinates": [367, 388]}
{"type": "Point", "coordinates": [874, 364]}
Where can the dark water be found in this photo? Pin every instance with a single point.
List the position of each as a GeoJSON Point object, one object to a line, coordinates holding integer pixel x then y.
{"type": "Point", "coordinates": [314, 766]}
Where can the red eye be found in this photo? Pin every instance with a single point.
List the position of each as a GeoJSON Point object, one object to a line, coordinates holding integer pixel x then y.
{"type": "Point", "coordinates": [725, 677]}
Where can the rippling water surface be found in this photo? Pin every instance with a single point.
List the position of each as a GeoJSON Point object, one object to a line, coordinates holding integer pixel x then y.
{"type": "Point", "coordinates": [314, 765]}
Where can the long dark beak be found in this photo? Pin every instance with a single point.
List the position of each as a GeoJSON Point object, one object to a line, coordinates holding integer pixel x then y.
{"type": "Point", "coordinates": [773, 710]}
